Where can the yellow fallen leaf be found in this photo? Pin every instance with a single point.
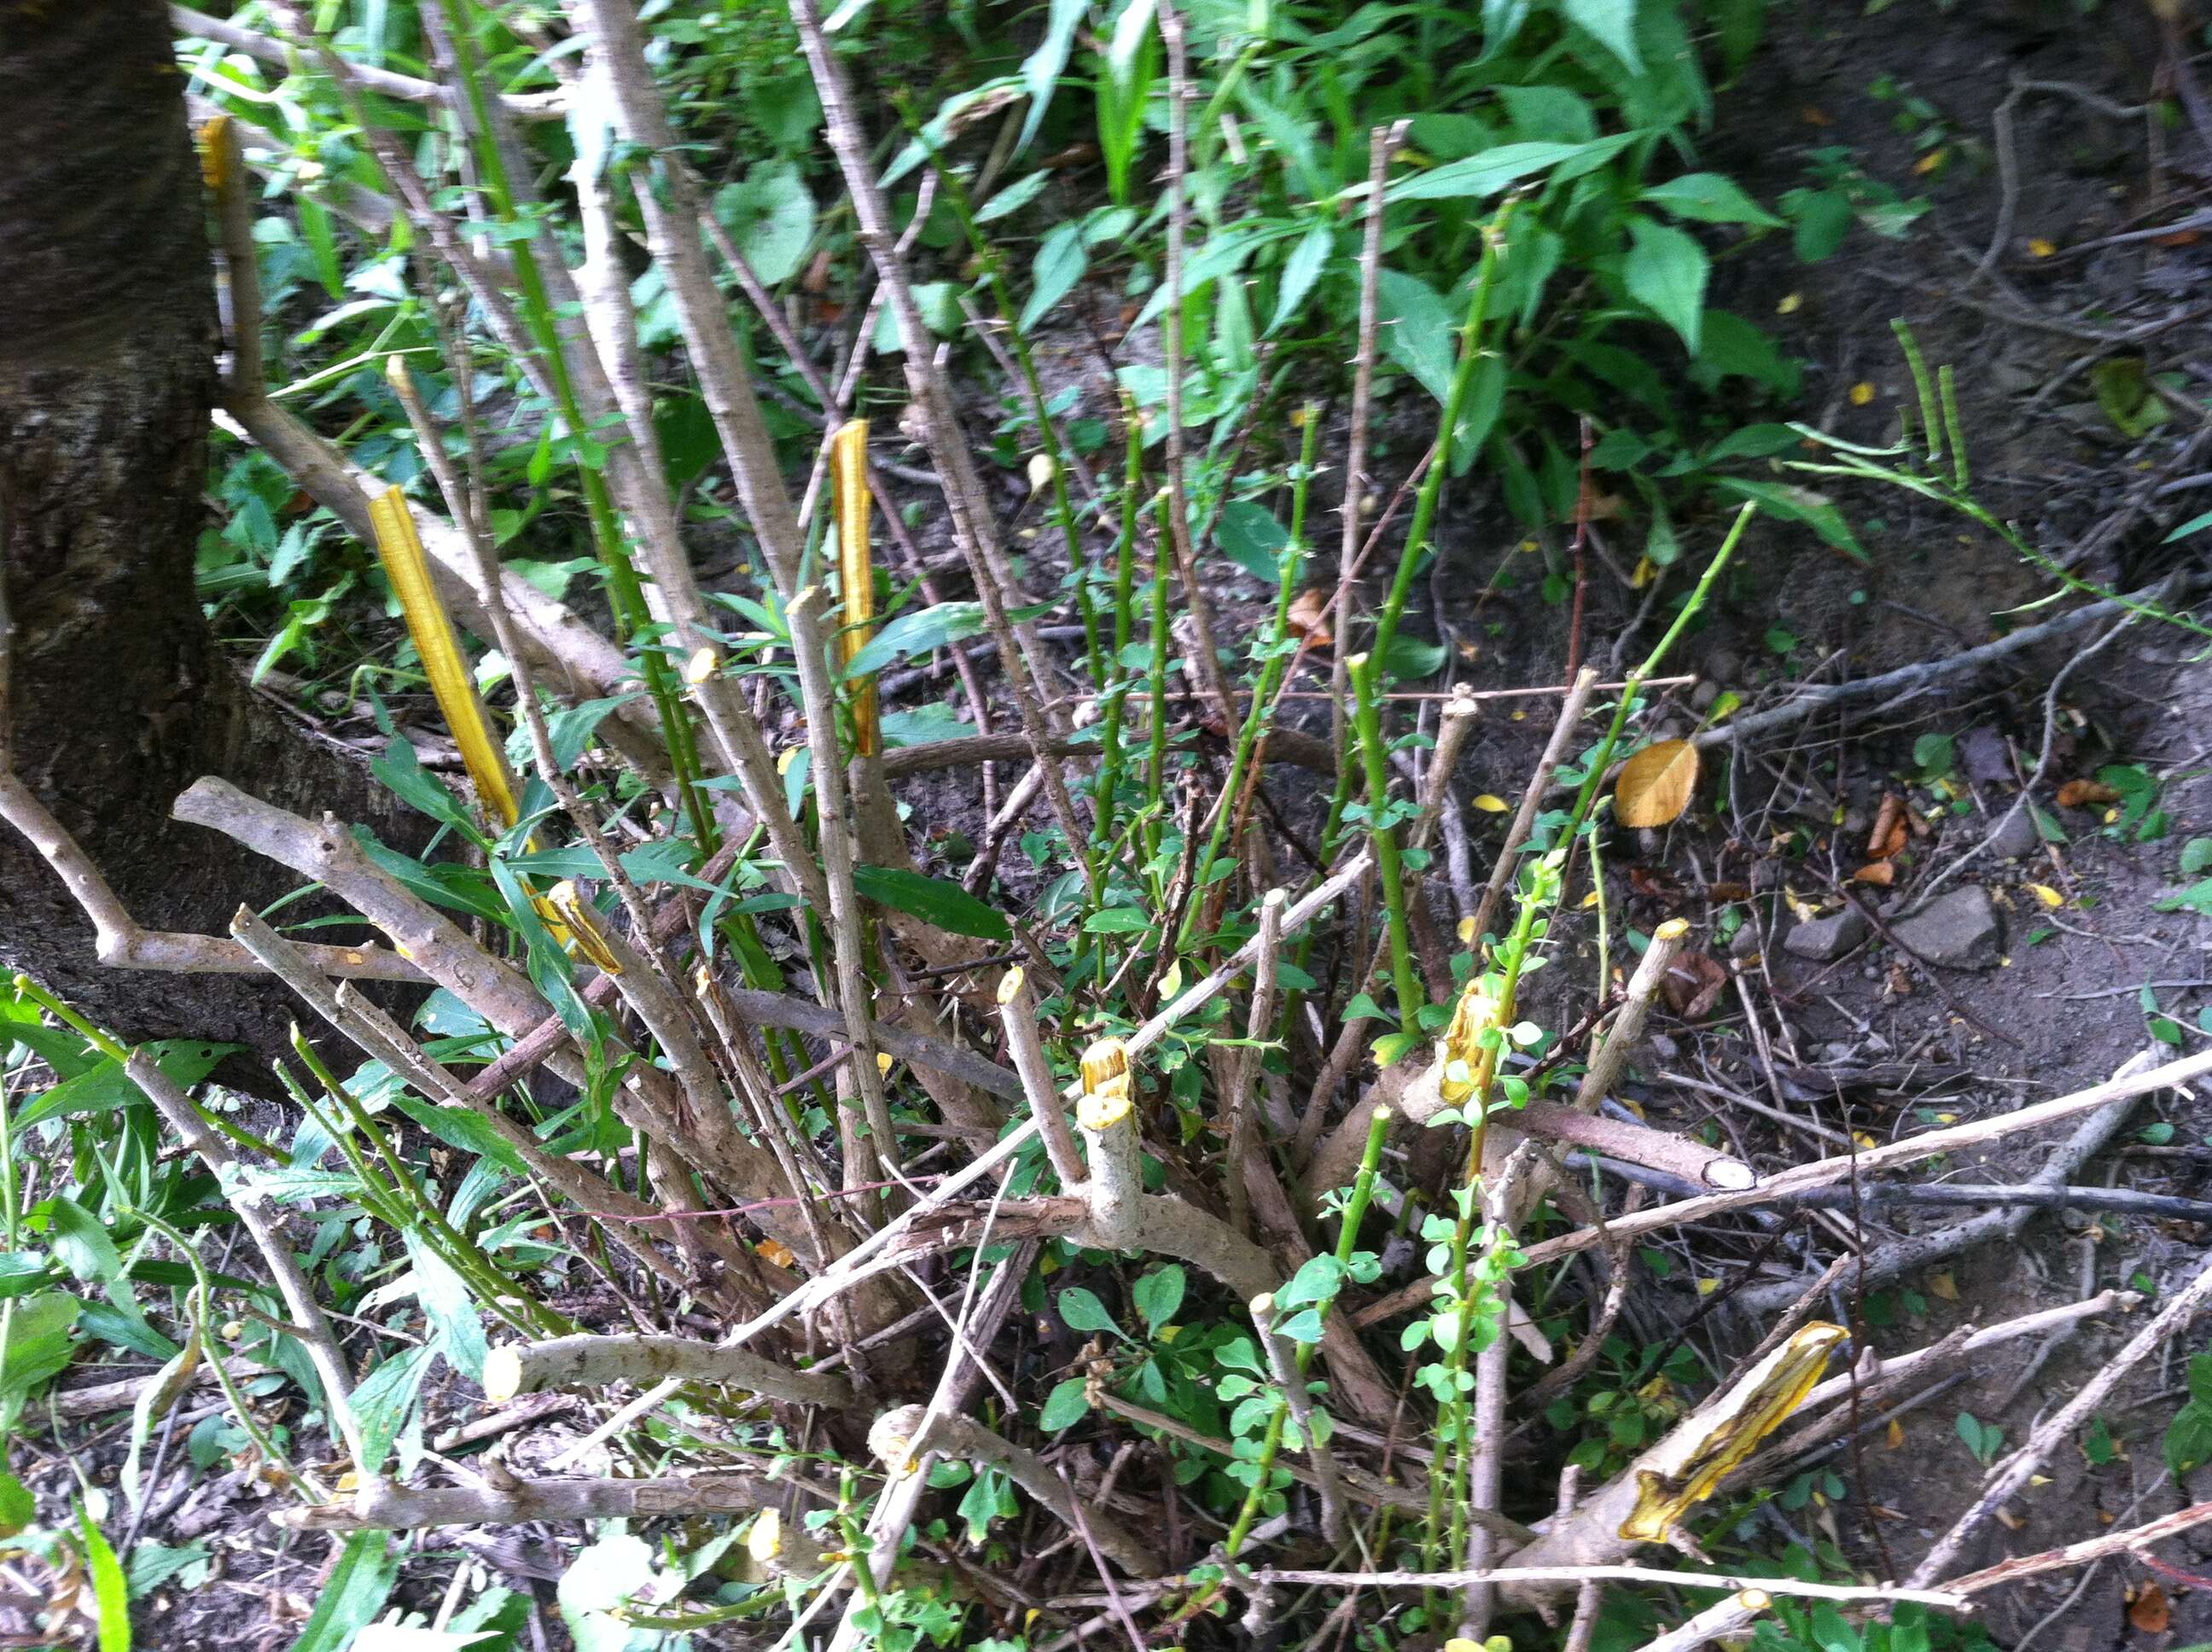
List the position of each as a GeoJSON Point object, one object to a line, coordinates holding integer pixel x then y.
{"type": "Point", "coordinates": [1896, 1434]}
{"type": "Point", "coordinates": [1791, 304]}
{"type": "Point", "coordinates": [1646, 571]}
{"type": "Point", "coordinates": [2042, 248]}
{"type": "Point", "coordinates": [1707, 1285]}
{"type": "Point", "coordinates": [1490, 804]}
{"type": "Point", "coordinates": [1861, 393]}
{"type": "Point", "coordinates": [775, 1253]}
{"type": "Point", "coordinates": [1466, 931]}
{"type": "Point", "coordinates": [1171, 982]}
{"type": "Point", "coordinates": [1591, 899]}
{"type": "Point", "coordinates": [1942, 1284]}
{"type": "Point", "coordinates": [1656, 784]}
{"type": "Point", "coordinates": [2048, 895]}
{"type": "Point", "coordinates": [1928, 162]}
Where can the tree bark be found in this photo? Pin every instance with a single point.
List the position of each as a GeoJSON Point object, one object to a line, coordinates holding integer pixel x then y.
{"type": "Point", "coordinates": [120, 696]}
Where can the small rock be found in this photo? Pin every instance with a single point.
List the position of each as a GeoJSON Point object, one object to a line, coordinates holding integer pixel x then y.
{"type": "Point", "coordinates": [1826, 939]}
{"type": "Point", "coordinates": [1663, 1049]}
{"type": "Point", "coordinates": [1702, 697]}
{"type": "Point", "coordinates": [1722, 666]}
{"type": "Point", "coordinates": [2016, 837]}
{"type": "Point", "coordinates": [1984, 755]}
{"type": "Point", "coordinates": [1960, 930]}
{"type": "Point", "coordinates": [1839, 1054]}
{"type": "Point", "coordinates": [1744, 943]}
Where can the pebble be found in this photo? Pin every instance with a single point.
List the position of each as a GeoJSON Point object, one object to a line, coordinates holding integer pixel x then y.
{"type": "Point", "coordinates": [2016, 837]}
{"type": "Point", "coordinates": [1959, 930]}
{"type": "Point", "coordinates": [1826, 939]}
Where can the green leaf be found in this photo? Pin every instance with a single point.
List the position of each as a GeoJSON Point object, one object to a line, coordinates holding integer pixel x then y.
{"type": "Point", "coordinates": [2194, 525]}
{"type": "Point", "coordinates": [770, 216]}
{"type": "Point", "coordinates": [111, 1591]}
{"type": "Point", "coordinates": [572, 727]}
{"type": "Point", "coordinates": [1667, 270]}
{"type": "Point", "coordinates": [105, 1088]}
{"type": "Point", "coordinates": [401, 769]}
{"type": "Point", "coordinates": [1061, 262]}
{"type": "Point", "coordinates": [1251, 536]}
{"type": "Point", "coordinates": [384, 1401]}
{"type": "Point", "coordinates": [445, 1300]}
{"type": "Point", "coordinates": [1792, 503]}
{"type": "Point", "coordinates": [1116, 920]}
{"type": "Point", "coordinates": [1300, 270]}
{"type": "Point", "coordinates": [1042, 69]}
{"type": "Point", "coordinates": [1012, 199]}
{"type": "Point", "coordinates": [933, 900]}
{"type": "Point", "coordinates": [1418, 333]}
{"type": "Point", "coordinates": [1614, 22]}
{"type": "Point", "coordinates": [38, 1345]}
{"type": "Point", "coordinates": [940, 304]}
{"type": "Point", "coordinates": [18, 1508]}
{"type": "Point", "coordinates": [1710, 198]}
{"type": "Point", "coordinates": [348, 1602]}
{"type": "Point", "coordinates": [1318, 1281]}
{"type": "Point", "coordinates": [2196, 898]}
{"type": "Point", "coordinates": [1068, 1404]}
{"type": "Point", "coordinates": [1410, 660]}
{"type": "Point", "coordinates": [603, 1577]}
{"type": "Point", "coordinates": [1158, 1294]}
{"type": "Point", "coordinates": [918, 633]}
{"type": "Point", "coordinates": [2197, 857]}
{"type": "Point", "coordinates": [81, 1243]}
{"type": "Point", "coordinates": [1081, 1310]}
{"type": "Point", "coordinates": [2189, 1439]}
{"type": "Point", "coordinates": [1480, 176]}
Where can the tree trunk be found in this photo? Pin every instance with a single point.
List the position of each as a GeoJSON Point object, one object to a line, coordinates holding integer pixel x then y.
{"type": "Point", "coordinates": [121, 699]}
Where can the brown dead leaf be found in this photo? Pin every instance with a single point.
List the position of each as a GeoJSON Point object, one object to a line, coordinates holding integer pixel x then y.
{"type": "Point", "coordinates": [1693, 985]}
{"type": "Point", "coordinates": [775, 1253]}
{"type": "Point", "coordinates": [2082, 794]}
{"type": "Point", "coordinates": [1656, 784]}
{"type": "Point", "coordinates": [1308, 616]}
{"type": "Point", "coordinates": [1890, 832]}
{"type": "Point", "coordinates": [2150, 1613]}
{"type": "Point", "coordinates": [1875, 871]}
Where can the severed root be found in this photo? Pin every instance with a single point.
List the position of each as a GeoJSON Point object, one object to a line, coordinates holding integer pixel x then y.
{"type": "Point", "coordinates": [585, 1361]}
{"type": "Point", "coordinates": [379, 1505]}
{"type": "Point", "coordinates": [1648, 1500]}
{"type": "Point", "coordinates": [901, 1439]}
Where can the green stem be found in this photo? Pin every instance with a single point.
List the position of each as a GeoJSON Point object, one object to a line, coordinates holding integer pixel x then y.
{"type": "Point", "coordinates": [1367, 726]}
{"type": "Point", "coordinates": [1539, 898]}
{"type": "Point", "coordinates": [1106, 796]}
{"type": "Point", "coordinates": [1270, 1443]}
{"type": "Point", "coordinates": [625, 591]}
{"type": "Point", "coordinates": [1275, 654]}
{"type": "Point", "coordinates": [1440, 464]}
{"type": "Point", "coordinates": [1156, 685]}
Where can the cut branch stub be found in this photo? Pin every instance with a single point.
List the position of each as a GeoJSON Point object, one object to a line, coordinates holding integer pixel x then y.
{"type": "Point", "coordinates": [596, 1360]}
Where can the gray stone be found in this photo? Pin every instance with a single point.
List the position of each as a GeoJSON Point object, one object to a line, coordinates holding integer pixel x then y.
{"type": "Point", "coordinates": [1960, 930]}
{"type": "Point", "coordinates": [1826, 939]}
{"type": "Point", "coordinates": [2016, 837]}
